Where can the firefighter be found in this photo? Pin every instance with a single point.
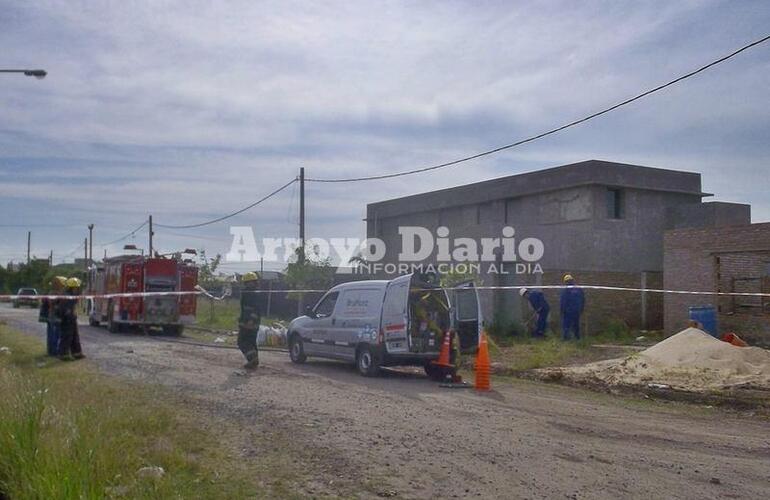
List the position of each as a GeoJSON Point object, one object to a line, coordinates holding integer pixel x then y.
{"type": "Point", "coordinates": [50, 318]}
{"type": "Point", "coordinates": [455, 358]}
{"type": "Point", "coordinates": [540, 306]}
{"type": "Point", "coordinates": [572, 303]}
{"type": "Point", "coordinates": [69, 344]}
{"type": "Point", "coordinates": [251, 315]}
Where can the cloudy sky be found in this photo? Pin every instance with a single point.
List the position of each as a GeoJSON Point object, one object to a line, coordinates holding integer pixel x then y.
{"type": "Point", "coordinates": [190, 110]}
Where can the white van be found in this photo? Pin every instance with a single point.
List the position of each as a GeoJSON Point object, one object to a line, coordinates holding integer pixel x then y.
{"type": "Point", "coordinates": [386, 323]}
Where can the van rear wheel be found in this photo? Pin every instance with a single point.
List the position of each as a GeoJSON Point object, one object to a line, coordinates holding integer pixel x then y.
{"type": "Point", "coordinates": [366, 362]}
{"type": "Point", "coordinates": [434, 372]}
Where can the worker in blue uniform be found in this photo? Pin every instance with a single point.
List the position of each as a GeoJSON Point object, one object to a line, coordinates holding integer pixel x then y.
{"type": "Point", "coordinates": [540, 306]}
{"type": "Point", "coordinates": [572, 304]}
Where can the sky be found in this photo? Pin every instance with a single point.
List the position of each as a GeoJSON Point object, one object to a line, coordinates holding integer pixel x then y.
{"type": "Point", "coordinates": [191, 110]}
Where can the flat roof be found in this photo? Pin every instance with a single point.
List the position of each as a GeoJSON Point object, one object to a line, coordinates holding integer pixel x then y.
{"type": "Point", "coordinates": [589, 172]}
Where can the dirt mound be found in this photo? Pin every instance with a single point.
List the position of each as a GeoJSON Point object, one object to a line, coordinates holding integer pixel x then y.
{"type": "Point", "coordinates": [690, 360]}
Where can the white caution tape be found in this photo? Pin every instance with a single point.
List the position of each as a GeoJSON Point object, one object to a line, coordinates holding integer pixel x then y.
{"type": "Point", "coordinates": [202, 291]}
{"type": "Point", "coordinates": [208, 294]}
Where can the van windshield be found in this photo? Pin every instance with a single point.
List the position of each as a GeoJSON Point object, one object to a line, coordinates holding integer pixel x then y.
{"type": "Point", "coordinates": [429, 319]}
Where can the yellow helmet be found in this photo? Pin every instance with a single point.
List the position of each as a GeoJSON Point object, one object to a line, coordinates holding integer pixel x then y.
{"type": "Point", "coordinates": [59, 280]}
{"type": "Point", "coordinates": [250, 276]}
{"type": "Point", "coordinates": [73, 283]}
{"type": "Point", "coordinates": [567, 278]}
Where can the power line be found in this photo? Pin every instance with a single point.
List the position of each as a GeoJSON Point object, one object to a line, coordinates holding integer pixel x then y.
{"type": "Point", "coordinates": [197, 237]}
{"type": "Point", "coordinates": [72, 253]}
{"type": "Point", "coordinates": [219, 219]}
{"type": "Point", "coordinates": [124, 237]}
{"type": "Point", "coordinates": [552, 131]}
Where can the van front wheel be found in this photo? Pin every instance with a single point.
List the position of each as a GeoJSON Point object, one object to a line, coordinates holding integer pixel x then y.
{"type": "Point", "coordinates": [366, 362]}
{"type": "Point", "coordinates": [297, 350]}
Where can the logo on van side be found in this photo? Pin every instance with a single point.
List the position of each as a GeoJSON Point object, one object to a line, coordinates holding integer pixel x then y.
{"type": "Point", "coordinates": [358, 303]}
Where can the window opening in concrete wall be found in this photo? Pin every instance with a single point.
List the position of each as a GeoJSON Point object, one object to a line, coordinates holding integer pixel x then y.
{"type": "Point", "coordinates": [615, 203]}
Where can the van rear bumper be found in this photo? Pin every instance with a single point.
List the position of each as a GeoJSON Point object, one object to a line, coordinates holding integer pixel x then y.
{"type": "Point", "coordinates": [407, 359]}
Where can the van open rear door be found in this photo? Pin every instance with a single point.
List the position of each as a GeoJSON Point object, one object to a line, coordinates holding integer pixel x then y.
{"type": "Point", "coordinates": [395, 320]}
{"type": "Point", "coordinates": [466, 315]}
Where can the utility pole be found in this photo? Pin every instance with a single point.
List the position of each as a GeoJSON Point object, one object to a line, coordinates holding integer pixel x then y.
{"type": "Point", "coordinates": [85, 252]}
{"type": "Point", "coordinates": [90, 244]}
{"type": "Point", "coordinates": [301, 254]}
{"type": "Point", "coordinates": [50, 259]}
{"type": "Point", "coordinates": [151, 233]}
{"type": "Point", "coordinates": [29, 243]}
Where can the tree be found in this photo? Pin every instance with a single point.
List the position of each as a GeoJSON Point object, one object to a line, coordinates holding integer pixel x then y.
{"type": "Point", "coordinates": [314, 273]}
{"type": "Point", "coordinates": [207, 269]}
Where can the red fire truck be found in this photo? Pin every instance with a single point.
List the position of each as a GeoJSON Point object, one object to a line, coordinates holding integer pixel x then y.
{"type": "Point", "coordinates": [135, 274]}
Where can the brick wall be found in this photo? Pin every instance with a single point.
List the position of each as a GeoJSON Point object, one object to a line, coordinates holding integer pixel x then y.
{"type": "Point", "coordinates": [719, 259]}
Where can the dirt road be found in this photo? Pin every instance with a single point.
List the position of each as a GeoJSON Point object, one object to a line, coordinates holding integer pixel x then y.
{"type": "Point", "coordinates": [400, 435]}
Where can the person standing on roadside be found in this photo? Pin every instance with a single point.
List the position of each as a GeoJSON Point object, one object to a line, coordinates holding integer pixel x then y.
{"type": "Point", "coordinates": [69, 345]}
{"type": "Point", "coordinates": [572, 304]}
{"type": "Point", "coordinates": [251, 316]}
{"type": "Point", "coordinates": [49, 317]}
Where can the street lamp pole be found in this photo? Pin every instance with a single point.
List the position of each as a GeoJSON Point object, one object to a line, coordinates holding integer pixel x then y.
{"type": "Point", "coordinates": [90, 244]}
{"type": "Point", "coordinates": [37, 73]}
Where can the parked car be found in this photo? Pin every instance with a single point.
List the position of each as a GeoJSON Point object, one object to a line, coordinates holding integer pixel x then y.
{"type": "Point", "coordinates": [386, 323]}
{"type": "Point", "coordinates": [27, 298]}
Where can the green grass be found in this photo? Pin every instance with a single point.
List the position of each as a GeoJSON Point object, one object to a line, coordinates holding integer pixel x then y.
{"type": "Point", "coordinates": [218, 314]}
{"type": "Point", "coordinates": [222, 314]}
{"type": "Point", "coordinates": [522, 352]}
{"type": "Point", "coordinates": [67, 432]}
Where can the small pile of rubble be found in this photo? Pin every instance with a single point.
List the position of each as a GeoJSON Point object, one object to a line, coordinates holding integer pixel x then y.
{"type": "Point", "coordinates": [691, 360]}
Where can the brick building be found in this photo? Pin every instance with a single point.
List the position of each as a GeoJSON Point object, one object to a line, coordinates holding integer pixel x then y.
{"type": "Point", "coordinates": [720, 259]}
{"type": "Point", "coordinates": [602, 221]}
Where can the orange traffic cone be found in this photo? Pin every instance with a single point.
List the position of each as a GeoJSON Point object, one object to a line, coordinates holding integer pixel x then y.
{"type": "Point", "coordinates": [443, 355]}
{"type": "Point", "coordinates": [483, 366]}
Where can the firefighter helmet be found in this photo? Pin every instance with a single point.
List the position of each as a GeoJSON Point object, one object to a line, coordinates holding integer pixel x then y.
{"type": "Point", "coordinates": [73, 283]}
{"type": "Point", "coordinates": [568, 277]}
{"type": "Point", "coordinates": [59, 280]}
{"type": "Point", "coordinates": [250, 276]}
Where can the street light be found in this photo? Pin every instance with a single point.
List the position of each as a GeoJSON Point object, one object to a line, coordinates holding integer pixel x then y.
{"type": "Point", "coordinates": [90, 244]}
{"type": "Point", "coordinates": [37, 73]}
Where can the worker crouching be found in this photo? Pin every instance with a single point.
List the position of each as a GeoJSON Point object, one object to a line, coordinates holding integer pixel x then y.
{"type": "Point", "coordinates": [69, 344]}
{"type": "Point", "coordinates": [540, 306]}
{"type": "Point", "coordinates": [251, 316]}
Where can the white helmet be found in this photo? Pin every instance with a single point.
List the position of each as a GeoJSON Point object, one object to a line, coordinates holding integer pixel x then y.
{"type": "Point", "coordinates": [522, 291]}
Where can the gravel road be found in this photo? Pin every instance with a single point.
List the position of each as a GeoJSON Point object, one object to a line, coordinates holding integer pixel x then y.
{"type": "Point", "coordinates": [400, 435]}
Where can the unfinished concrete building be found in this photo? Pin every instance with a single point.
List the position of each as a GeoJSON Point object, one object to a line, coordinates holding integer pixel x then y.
{"type": "Point", "coordinates": [601, 221]}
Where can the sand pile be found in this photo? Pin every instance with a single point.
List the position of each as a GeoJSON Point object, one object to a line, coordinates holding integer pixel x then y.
{"type": "Point", "coordinates": [690, 360]}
